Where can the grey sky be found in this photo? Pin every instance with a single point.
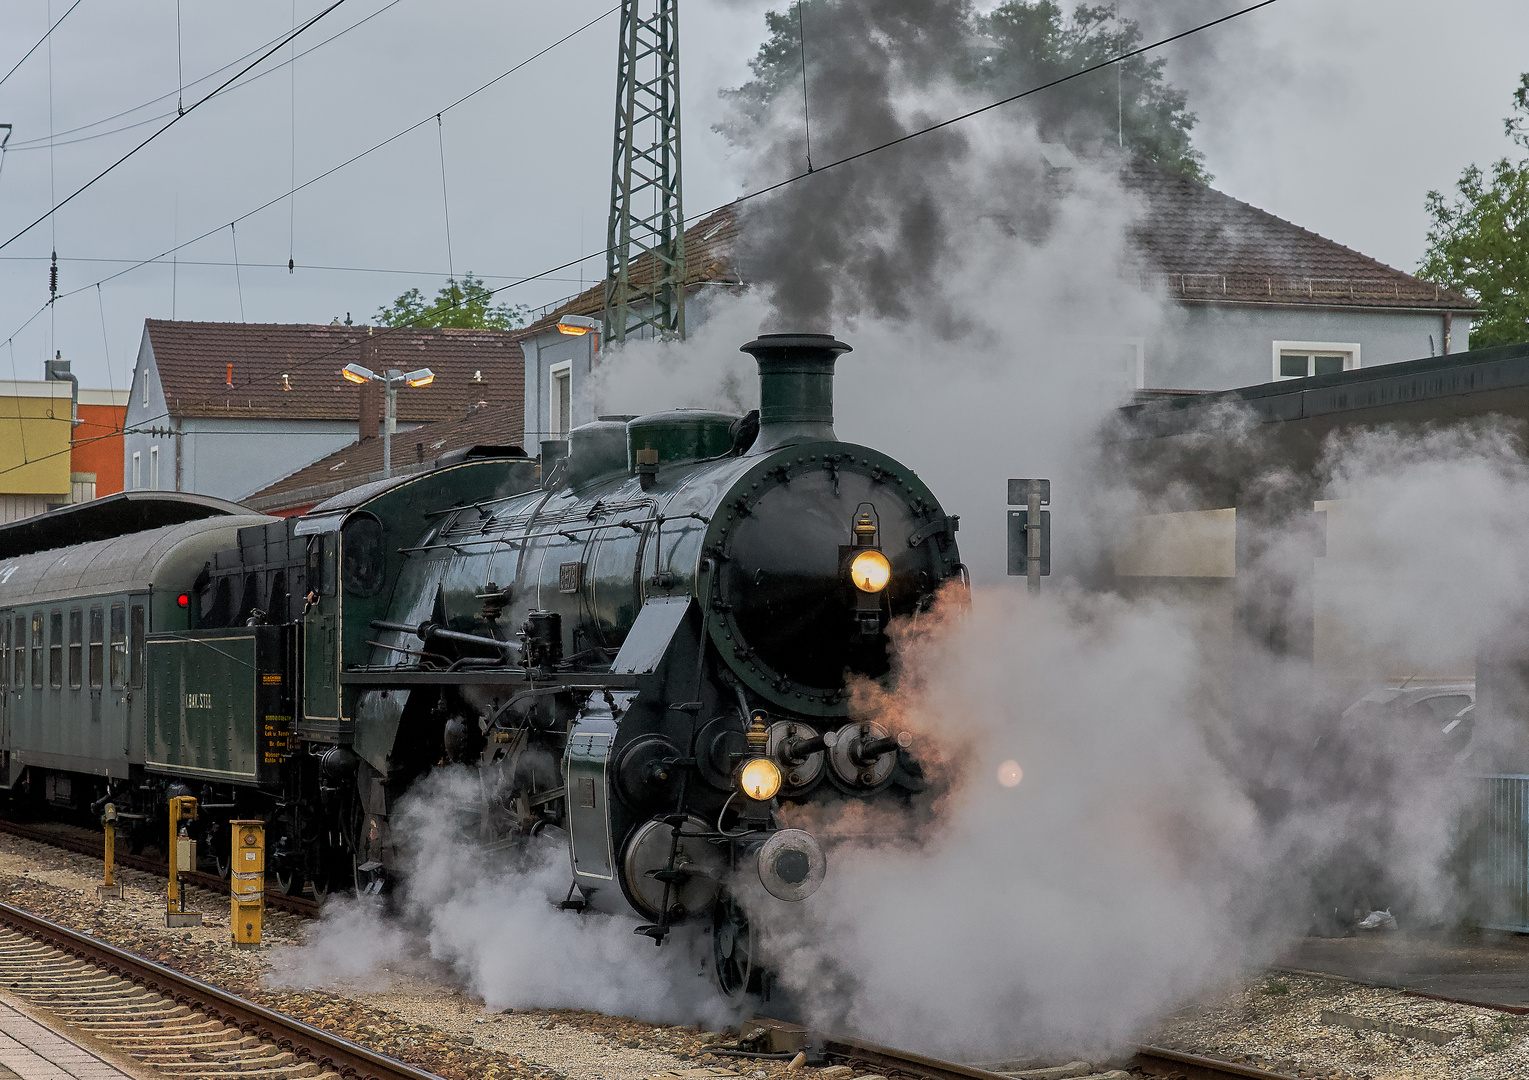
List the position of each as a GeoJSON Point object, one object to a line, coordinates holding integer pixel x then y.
{"type": "Point", "coordinates": [1338, 116]}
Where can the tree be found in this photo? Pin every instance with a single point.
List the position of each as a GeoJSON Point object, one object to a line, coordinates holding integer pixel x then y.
{"type": "Point", "coordinates": [468, 304]}
{"type": "Point", "coordinates": [1018, 45]}
{"type": "Point", "coordinates": [1479, 242]}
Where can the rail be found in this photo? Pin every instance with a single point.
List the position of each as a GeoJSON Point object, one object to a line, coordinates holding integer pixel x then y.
{"type": "Point", "coordinates": [330, 1052]}
{"type": "Point", "coordinates": [1152, 1060]}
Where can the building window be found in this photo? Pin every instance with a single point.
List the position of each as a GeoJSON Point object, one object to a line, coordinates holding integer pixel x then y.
{"type": "Point", "coordinates": [76, 647]}
{"type": "Point", "coordinates": [145, 387]}
{"type": "Point", "coordinates": [560, 404]}
{"type": "Point", "coordinates": [119, 646]}
{"type": "Point", "coordinates": [1302, 359]}
{"type": "Point", "coordinates": [154, 468]}
{"type": "Point", "coordinates": [96, 646]}
{"type": "Point", "coordinates": [137, 470]}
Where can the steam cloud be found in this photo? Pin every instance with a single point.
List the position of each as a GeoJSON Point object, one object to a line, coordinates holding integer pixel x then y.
{"type": "Point", "coordinates": [1174, 813]}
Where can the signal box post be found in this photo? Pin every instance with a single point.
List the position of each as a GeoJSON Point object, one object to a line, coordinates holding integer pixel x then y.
{"type": "Point", "coordinates": [109, 889]}
{"type": "Point", "coordinates": [182, 858]}
{"type": "Point", "coordinates": [246, 884]}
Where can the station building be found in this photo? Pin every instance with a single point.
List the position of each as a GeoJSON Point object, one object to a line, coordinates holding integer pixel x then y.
{"type": "Point", "coordinates": [227, 409]}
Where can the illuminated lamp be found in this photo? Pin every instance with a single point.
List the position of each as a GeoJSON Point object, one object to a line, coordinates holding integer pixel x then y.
{"type": "Point", "coordinates": [759, 778]}
{"type": "Point", "coordinates": [870, 571]}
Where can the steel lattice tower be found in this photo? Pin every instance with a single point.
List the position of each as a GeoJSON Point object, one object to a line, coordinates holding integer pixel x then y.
{"type": "Point", "coordinates": [646, 217]}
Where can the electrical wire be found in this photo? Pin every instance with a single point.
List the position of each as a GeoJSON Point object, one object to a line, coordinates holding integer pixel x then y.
{"type": "Point", "coordinates": [93, 180]}
{"type": "Point", "coordinates": [351, 160]}
{"type": "Point", "coordinates": [38, 144]}
{"type": "Point", "coordinates": [888, 144]}
{"type": "Point", "coordinates": [40, 40]}
{"type": "Point", "coordinates": [238, 281]}
{"type": "Point", "coordinates": [440, 134]}
{"type": "Point", "coordinates": [279, 266]}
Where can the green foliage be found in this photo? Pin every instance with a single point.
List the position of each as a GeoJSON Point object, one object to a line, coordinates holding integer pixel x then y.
{"type": "Point", "coordinates": [1018, 45]}
{"type": "Point", "coordinates": [1276, 988]}
{"type": "Point", "coordinates": [467, 304]}
{"type": "Point", "coordinates": [1479, 241]}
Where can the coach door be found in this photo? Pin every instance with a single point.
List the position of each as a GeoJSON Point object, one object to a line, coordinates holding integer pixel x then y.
{"type": "Point", "coordinates": [321, 660]}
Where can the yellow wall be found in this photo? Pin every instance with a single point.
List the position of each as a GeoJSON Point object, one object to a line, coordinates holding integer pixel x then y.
{"type": "Point", "coordinates": [35, 430]}
{"type": "Point", "coordinates": [1196, 544]}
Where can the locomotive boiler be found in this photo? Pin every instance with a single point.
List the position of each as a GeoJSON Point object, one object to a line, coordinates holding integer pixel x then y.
{"type": "Point", "coordinates": [643, 642]}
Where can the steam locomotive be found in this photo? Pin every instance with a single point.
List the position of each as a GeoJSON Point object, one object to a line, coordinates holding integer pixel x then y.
{"type": "Point", "coordinates": [643, 641]}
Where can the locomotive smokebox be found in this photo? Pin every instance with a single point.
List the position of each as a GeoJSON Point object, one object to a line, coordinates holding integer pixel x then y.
{"type": "Point", "coordinates": [796, 387]}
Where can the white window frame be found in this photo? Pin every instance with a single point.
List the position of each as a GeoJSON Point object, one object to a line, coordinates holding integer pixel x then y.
{"type": "Point", "coordinates": [563, 368]}
{"type": "Point", "coordinates": [154, 468]}
{"type": "Point", "coordinates": [1349, 347]}
{"type": "Point", "coordinates": [145, 388]}
{"type": "Point", "coordinates": [137, 470]}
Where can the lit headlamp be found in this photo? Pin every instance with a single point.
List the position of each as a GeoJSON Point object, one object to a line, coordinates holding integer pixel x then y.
{"type": "Point", "coordinates": [870, 571]}
{"type": "Point", "coordinates": [759, 779]}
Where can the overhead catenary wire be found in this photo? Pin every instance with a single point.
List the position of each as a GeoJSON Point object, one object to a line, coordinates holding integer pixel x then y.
{"type": "Point", "coordinates": [46, 36]}
{"type": "Point", "coordinates": [238, 281]}
{"type": "Point", "coordinates": [857, 155]}
{"type": "Point", "coordinates": [446, 206]}
{"type": "Point", "coordinates": [357, 157]}
{"type": "Point", "coordinates": [748, 196]}
{"type": "Point", "coordinates": [801, 40]}
{"type": "Point", "coordinates": [57, 206]}
{"type": "Point", "coordinates": [38, 144]}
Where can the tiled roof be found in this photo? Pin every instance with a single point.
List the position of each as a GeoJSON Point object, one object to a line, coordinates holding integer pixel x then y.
{"type": "Point", "coordinates": [1199, 244]}
{"type": "Point", "coordinates": [193, 359]}
{"type": "Point", "coordinates": [1193, 242]}
{"type": "Point", "coordinates": [709, 248]}
{"type": "Point", "coordinates": [413, 451]}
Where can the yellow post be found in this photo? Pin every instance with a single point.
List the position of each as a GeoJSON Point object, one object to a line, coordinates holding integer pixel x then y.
{"type": "Point", "coordinates": [110, 890]}
{"type": "Point", "coordinates": [182, 857]}
{"type": "Point", "coordinates": [246, 884]}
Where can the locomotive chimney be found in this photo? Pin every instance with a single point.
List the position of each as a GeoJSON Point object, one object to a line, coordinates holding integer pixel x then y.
{"type": "Point", "coordinates": [796, 387]}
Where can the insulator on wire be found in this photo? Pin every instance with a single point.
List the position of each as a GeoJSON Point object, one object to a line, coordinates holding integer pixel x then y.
{"type": "Point", "coordinates": [53, 279]}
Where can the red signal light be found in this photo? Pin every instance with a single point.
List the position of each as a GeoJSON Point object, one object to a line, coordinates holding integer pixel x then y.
{"type": "Point", "coordinates": [183, 600]}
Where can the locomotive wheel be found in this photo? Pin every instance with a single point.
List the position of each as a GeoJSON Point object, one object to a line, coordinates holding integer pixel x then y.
{"type": "Point", "coordinates": [732, 948]}
{"type": "Point", "coordinates": [289, 881]}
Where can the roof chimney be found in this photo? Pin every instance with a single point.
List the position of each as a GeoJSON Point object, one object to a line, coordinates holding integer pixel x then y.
{"type": "Point", "coordinates": [796, 387]}
{"type": "Point", "coordinates": [57, 370]}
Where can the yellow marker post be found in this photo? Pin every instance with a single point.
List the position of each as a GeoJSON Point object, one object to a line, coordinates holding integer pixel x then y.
{"type": "Point", "coordinates": [246, 884]}
{"type": "Point", "coordinates": [109, 889]}
{"type": "Point", "coordinates": [182, 858]}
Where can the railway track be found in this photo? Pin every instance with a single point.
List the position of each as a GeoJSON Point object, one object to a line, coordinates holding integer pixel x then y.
{"type": "Point", "coordinates": [85, 843]}
{"type": "Point", "coordinates": [1149, 1060]}
{"type": "Point", "coordinates": [182, 1007]}
{"type": "Point", "coordinates": [170, 1021]}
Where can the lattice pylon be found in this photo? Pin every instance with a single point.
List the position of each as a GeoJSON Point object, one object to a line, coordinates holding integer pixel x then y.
{"type": "Point", "coordinates": [645, 240]}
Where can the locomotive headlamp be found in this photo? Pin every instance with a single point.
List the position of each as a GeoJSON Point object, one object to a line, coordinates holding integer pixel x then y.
{"type": "Point", "coordinates": [759, 778]}
{"type": "Point", "coordinates": [870, 571]}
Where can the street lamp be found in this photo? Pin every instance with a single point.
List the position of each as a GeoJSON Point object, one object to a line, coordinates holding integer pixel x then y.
{"type": "Point", "coordinates": [578, 326]}
{"type": "Point", "coordinates": [356, 373]}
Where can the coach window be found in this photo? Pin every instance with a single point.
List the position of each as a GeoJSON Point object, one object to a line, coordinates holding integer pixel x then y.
{"type": "Point", "coordinates": [56, 650]}
{"type": "Point", "coordinates": [96, 647]}
{"type": "Point", "coordinates": [19, 655]}
{"type": "Point", "coordinates": [37, 650]}
{"type": "Point", "coordinates": [5, 651]}
{"type": "Point", "coordinates": [119, 646]}
{"type": "Point", "coordinates": [135, 666]}
{"type": "Point", "coordinates": [76, 647]}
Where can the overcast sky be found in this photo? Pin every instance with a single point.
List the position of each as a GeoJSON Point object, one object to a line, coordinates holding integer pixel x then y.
{"type": "Point", "coordinates": [1336, 115]}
